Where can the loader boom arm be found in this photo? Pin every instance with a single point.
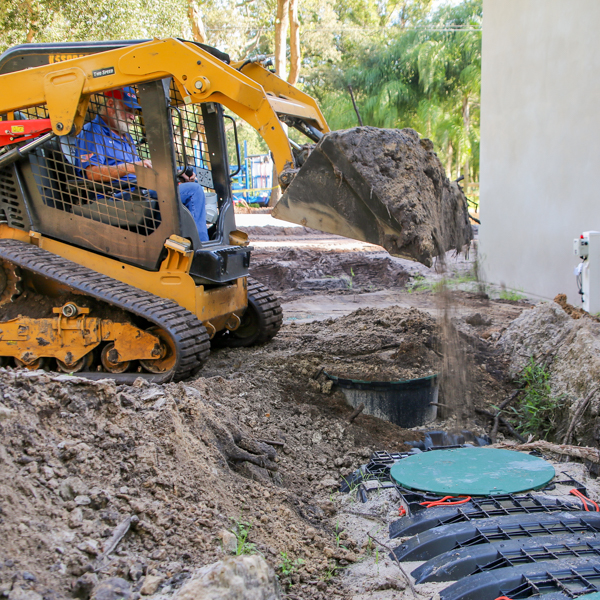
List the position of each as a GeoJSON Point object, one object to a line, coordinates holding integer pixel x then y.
{"type": "Point", "coordinates": [255, 95]}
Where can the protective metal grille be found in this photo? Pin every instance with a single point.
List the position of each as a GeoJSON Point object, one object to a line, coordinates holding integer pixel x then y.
{"type": "Point", "coordinates": [191, 148]}
{"type": "Point", "coordinates": [93, 175]}
{"type": "Point", "coordinates": [10, 204]}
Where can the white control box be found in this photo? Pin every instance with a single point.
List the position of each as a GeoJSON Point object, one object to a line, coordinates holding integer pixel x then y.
{"type": "Point", "coordinates": [581, 247]}
{"type": "Point", "coordinates": [589, 251]}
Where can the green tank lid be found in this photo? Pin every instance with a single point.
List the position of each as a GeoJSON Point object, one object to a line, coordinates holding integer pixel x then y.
{"type": "Point", "coordinates": [472, 472]}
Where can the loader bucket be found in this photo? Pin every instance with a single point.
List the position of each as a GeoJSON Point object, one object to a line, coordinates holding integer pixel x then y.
{"type": "Point", "coordinates": [409, 207]}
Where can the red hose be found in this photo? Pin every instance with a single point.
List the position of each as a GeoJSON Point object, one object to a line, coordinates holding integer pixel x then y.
{"type": "Point", "coordinates": [585, 500]}
{"type": "Point", "coordinates": [443, 501]}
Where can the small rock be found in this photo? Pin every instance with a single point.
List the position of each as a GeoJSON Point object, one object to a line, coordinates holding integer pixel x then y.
{"type": "Point", "coordinates": [254, 580]}
{"type": "Point", "coordinates": [27, 576]}
{"type": "Point", "coordinates": [82, 500]}
{"type": "Point", "coordinates": [477, 319]}
{"type": "Point", "coordinates": [76, 518]}
{"type": "Point", "coordinates": [6, 413]}
{"type": "Point", "coordinates": [82, 587]}
{"type": "Point", "coordinates": [159, 403]}
{"type": "Point", "coordinates": [72, 487]}
{"type": "Point", "coordinates": [114, 588]}
{"type": "Point", "coordinates": [158, 554]}
{"type": "Point", "coordinates": [47, 472]}
{"type": "Point", "coordinates": [20, 594]}
{"type": "Point", "coordinates": [152, 395]}
{"type": "Point", "coordinates": [136, 571]}
{"type": "Point", "coordinates": [329, 482]}
{"type": "Point", "coordinates": [89, 547]}
{"type": "Point", "coordinates": [327, 386]}
{"type": "Point", "coordinates": [228, 540]}
{"type": "Point", "coordinates": [150, 585]}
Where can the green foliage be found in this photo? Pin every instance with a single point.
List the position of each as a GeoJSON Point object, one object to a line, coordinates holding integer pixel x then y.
{"type": "Point", "coordinates": [287, 566]}
{"type": "Point", "coordinates": [537, 411]}
{"type": "Point", "coordinates": [426, 76]}
{"type": "Point", "coordinates": [241, 530]}
{"type": "Point", "coordinates": [510, 295]}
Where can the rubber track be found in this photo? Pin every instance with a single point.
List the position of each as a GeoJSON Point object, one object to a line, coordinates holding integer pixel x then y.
{"type": "Point", "coordinates": [187, 332]}
{"type": "Point", "coordinates": [270, 307]}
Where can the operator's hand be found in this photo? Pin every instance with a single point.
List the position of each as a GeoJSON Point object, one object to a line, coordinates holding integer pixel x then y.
{"type": "Point", "coordinates": [145, 163]}
{"type": "Point", "coordinates": [184, 178]}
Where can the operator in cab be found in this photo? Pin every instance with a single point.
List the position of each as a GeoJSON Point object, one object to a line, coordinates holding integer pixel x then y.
{"type": "Point", "coordinates": [106, 153]}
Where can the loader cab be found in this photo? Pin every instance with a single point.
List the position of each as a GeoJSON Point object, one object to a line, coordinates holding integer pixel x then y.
{"type": "Point", "coordinates": [131, 218]}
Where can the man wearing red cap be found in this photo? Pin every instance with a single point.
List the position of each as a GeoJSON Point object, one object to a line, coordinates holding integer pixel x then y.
{"type": "Point", "coordinates": [106, 152]}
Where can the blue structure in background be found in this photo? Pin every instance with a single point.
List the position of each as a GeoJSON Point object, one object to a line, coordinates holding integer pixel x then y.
{"type": "Point", "coordinates": [254, 181]}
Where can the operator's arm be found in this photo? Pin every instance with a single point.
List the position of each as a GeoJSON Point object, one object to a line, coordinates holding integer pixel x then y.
{"type": "Point", "coordinates": [106, 173]}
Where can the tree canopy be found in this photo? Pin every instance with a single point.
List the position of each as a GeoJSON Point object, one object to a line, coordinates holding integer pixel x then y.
{"type": "Point", "coordinates": [408, 65]}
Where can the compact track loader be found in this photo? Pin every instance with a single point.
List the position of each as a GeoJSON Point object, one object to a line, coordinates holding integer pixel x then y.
{"type": "Point", "coordinates": [102, 277]}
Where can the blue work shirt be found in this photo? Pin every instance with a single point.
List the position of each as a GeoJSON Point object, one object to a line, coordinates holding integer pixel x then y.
{"type": "Point", "coordinates": [98, 144]}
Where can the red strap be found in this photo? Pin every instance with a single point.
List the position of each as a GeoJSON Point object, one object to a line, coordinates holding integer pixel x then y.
{"type": "Point", "coordinates": [585, 500]}
{"type": "Point", "coordinates": [402, 511]}
{"type": "Point", "coordinates": [503, 598]}
{"type": "Point", "coordinates": [446, 501]}
{"type": "Point", "coordinates": [12, 132]}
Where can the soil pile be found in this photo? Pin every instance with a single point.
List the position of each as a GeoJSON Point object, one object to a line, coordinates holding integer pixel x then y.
{"type": "Point", "coordinates": [178, 469]}
{"type": "Point", "coordinates": [388, 187]}
{"type": "Point", "coordinates": [296, 271]}
{"type": "Point", "coordinates": [569, 346]}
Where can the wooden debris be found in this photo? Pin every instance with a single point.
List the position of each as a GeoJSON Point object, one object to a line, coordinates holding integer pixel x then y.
{"type": "Point", "coordinates": [583, 452]}
{"type": "Point", "coordinates": [356, 412]}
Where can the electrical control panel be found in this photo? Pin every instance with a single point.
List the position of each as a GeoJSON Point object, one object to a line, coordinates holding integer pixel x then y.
{"type": "Point", "coordinates": [587, 248]}
{"type": "Point", "coordinates": [581, 247]}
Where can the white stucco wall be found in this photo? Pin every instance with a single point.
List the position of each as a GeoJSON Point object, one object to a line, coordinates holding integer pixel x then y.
{"type": "Point", "coordinates": [540, 140]}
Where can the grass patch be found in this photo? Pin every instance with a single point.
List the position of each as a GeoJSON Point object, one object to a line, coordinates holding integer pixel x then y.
{"type": "Point", "coordinates": [537, 412]}
{"type": "Point", "coordinates": [287, 566]}
{"type": "Point", "coordinates": [241, 530]}
{"type": "Point", "coordinates": [511, 295]}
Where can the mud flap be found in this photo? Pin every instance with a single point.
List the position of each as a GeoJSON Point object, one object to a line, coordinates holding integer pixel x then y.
{"type": "Point", "coordinates": [457, 564]}
{"type": "Point", "coordinates": [330, 195]}
{"type": "Point", "coordinates": [425, 546]}
{"type": "Point", "coordinates": [550, 579]}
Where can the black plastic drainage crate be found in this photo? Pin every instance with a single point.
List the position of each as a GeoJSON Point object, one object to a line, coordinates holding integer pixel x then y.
{"type": "Point", "coordinates": [407, 403]}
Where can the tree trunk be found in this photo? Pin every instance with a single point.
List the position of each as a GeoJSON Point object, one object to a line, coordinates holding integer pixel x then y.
{"type": "Point", "coordinates": [281, 26]}
{"type": "Point", "coordinates": [198, 31]}
{"type": "Point", "coordinates": [294, 43]}
{"type": "Point", "coordinates": [449, 161]}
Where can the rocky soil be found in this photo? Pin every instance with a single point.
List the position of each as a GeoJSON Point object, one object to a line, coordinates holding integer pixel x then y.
{"type": "Point", "coordinates": [111, 492]}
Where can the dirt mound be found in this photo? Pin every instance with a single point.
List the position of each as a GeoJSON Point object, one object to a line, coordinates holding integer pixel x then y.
{"type": "Point", "coordinates": [311, 271]}
{"type": "Point", "coordinates": [570, 349]}
{"type": "Point", "coordinates": [176, 468]}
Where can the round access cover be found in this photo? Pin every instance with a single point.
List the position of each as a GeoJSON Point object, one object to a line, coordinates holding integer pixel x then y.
{"type": "Point", "coordinates": [472, 472]}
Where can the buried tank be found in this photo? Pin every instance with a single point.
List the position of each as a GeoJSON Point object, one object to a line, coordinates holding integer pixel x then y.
{"type": "Point", "coordinates": [408, 403]}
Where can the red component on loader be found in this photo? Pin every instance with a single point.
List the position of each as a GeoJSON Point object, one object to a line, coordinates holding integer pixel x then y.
{"type": "Point", "coordinates": [13, 132]}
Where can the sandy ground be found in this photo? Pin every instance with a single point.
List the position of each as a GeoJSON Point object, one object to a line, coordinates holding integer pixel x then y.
{"type": "Point", "coordinates": [258, 443]}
